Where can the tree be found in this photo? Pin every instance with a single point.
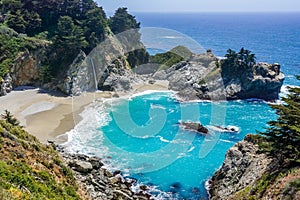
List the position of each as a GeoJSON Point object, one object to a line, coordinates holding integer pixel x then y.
{"type": "Point", "coordinates": [69, 38]}
{"type": "Point", "coordinates": [9, 118]}
{"type": "Point", "coordinates": [238, 63]}
{"type": "Point", "coordinates": [16, 22]}
{"type": "Point", "coordinates": [283, 135]}
{"type": "Point", "coordinates": [122, 21]}
{"type": "Point", "coordinates": [68, 42]}
{"type": "Point", "coordinates": [95, 26]}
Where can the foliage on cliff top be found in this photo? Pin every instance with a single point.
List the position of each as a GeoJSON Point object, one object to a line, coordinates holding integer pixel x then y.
{"type": "Point", "coordinates": [30, 170]}
{"type": "Point", "coordinates": [237, 63]}
{"type": "Point", "coordinates": [175, 55]}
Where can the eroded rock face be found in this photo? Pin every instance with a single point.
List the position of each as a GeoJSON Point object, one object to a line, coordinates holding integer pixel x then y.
{"type": "Point", "coordinates": [200, 78]}
{"type": "Point", "coordinates": [27, 67]}
{"type": "Point", "coordinates": [243, 165]}
{"type": "Point", "coordinates": [105, 68]}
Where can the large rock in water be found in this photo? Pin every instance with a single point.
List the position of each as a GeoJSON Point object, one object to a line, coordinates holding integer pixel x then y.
{"type": "Point", "coordinates": [194, 126]}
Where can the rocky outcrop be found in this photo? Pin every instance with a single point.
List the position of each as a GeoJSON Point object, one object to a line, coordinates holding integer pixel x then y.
{"type": "Point", "coordinates": [100, 182]}
{"type": "Point", "coordinates": [200, 78]}
{"type": "Point", "coordinates": [242, 168]}
{"type": "Point", "coordinates": [248, 173]}
{"type": "Point", "coordinates": [194, 126]}
{"type": "Point", "coordinates": [26, 69]}
{"type": "Point", "coordinates": [5, 85]}
{"type": "Point", "coordinates": [264, 83]}
{"type": "Point", "coordinates": [105, 68]}
{"type": "Point", "coordinates": [185, 76]}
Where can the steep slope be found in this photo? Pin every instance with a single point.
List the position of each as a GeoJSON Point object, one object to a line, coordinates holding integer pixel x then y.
{"type": "Point", "coordinates": [248, 173]}
{"type": "Point", "coordinates": [30, 170]}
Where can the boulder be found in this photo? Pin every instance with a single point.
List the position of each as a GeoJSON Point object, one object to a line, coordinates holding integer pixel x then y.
{"type": "Point", "coordinates": [194, 126]}
{"type": "Point", "coordinates": [5, 85]}
{"type": "Point", "coordinates": [82, 166]}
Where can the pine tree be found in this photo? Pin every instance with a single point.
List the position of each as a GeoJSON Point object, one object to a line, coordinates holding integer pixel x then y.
{"type": "Point", "coordinates": [69, 38]}
{"type": "Point", "coordinates": [283, 135]}
{"type": "Point", "coordinates": [9, 118]}
{"type": "Point", "coordinates": [122, 21]}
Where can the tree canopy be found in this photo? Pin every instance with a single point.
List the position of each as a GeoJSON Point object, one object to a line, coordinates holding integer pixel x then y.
{"type": "Point", "coordinates": [69, 25]}
{"type": "Point", "coordinates": [122, 21]}
{"type": "Point", "coordinates": [283, 135]}
{"type": "Point", "coordinates": [238, 62]}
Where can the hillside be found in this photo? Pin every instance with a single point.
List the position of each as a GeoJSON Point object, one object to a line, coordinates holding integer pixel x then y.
{"type": "Point", "coordinates": [248, 173]}
{"type": "Point", "coordinates": [42, 38]}
{"type": "Point", "coordinates": [30, 170]}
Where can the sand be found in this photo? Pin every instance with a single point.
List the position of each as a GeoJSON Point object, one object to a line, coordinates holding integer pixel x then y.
{"type": "Point", "coordinates": [48, 115]}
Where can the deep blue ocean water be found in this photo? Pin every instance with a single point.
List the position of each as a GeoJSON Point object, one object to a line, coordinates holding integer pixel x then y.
{"type": "Point", "coordinates": [141, 134]}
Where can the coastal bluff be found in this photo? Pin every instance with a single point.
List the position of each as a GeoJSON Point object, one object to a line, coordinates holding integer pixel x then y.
{"type": "Point", "coordinates": [247, 173]}
{"type": "Point", "coordinates": [197, 77]}
{"type": "Point", "coordinates": [200, 78]}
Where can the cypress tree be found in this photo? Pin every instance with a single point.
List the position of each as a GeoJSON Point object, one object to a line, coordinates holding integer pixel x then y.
{"type": "Point", "coordinates": [283, 135]}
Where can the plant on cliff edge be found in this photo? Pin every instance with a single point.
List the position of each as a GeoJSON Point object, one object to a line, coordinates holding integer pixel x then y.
{"type": "Point", "coordinates": [9, 118]}
{"type": "Point", "coordinates": [283, 135]}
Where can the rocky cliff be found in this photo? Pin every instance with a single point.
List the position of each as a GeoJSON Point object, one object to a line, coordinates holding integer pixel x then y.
{"type": "Point", "coordinates": [249, 174]}
{"type": "Point", "coordinates": [105, 68]}
{"type": "Point", "coordinates": [21, 59]}
{"type": "Point", "coordinates": [26, 69]}
{"type": "Point", "coordinates": [200, 77]}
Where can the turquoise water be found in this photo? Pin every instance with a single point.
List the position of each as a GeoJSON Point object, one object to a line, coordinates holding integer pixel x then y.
{"type": "Point", "coordinates": [183, 170]}
{"type": "Point", "coordinates": [141, 136]}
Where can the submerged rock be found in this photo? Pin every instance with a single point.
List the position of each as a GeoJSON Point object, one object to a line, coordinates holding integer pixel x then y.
{"type": "Point", "coordinates": [194, 126]}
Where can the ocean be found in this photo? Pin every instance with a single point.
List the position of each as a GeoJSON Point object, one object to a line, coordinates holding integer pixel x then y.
{"type": "Point", "coordinates": [140, 134]}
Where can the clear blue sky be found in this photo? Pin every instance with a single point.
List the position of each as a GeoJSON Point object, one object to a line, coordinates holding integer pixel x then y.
{"type": "Point", "coordinates": [202, 5]}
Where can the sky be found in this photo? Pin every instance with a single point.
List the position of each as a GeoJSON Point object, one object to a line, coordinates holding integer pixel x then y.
{"type": "Point", "coordinates": [202, 5]}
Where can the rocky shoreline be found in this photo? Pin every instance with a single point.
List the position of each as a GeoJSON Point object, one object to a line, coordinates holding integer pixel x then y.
{"type": "Point", "coordinates": [100, 182]}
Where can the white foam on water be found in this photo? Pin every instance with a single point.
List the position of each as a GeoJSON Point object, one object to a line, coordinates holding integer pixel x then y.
{"type": "Point", "coordinates": [163, 139]}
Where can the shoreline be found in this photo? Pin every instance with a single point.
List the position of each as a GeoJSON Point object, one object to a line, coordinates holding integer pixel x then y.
{"type": "Point", "coordinates": [48, 115]}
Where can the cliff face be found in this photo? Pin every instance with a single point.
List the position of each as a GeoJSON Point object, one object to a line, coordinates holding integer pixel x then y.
{"type": "Point", "coordinates": [105, 68]}
{"type": "Point", "coordinates": [248, 174]}
{"type": "Point", "coordinates": [200, 78]}
{"type": "Point", "coordinates": [27, 67]}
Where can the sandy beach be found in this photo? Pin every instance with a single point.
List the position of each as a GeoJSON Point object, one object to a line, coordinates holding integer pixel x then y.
{"type": "Point", "coordinates": [47, 115]}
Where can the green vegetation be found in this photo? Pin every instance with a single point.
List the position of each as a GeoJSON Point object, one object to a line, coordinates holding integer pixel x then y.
{"type": "Point", "coordinates": [171, 57]}
{"type": "Point", "coordinates": [9, 118]}
{"type": "Point", "coordinates": [122, 21]}
{"type": "Point", "coordinates": [67, 26]}
{"type": "Point", "coordinates": [30, 170]}
{"type": "Point", "coordinates": [237, 63]}
{"type": "Point", "coordinates": [283, 135]}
